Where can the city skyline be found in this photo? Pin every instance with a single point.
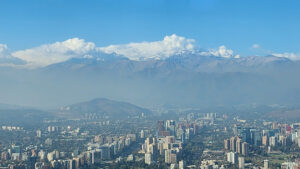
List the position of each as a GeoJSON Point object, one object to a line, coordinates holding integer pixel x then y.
{"type": "Point", "coordinates": [149, 84]}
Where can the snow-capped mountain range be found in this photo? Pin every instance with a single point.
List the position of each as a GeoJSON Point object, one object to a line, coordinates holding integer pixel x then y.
{"type": "Point", "coordinates": [170, 46]}
{"type": "Point", "coordinates": [171, 71]}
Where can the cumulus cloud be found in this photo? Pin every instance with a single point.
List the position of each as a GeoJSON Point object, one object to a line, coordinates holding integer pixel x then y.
{"type": "Point", "coordinates": [291, 56]}
{"type": "Point", "coordinates": [255, 46]}
{"type": "Point", "coordinates": [169, 46]}
{"type": "Point", "coordinates": [54, 53]}
{"type": "Point", "coordinates": [57, 52]}
{"type": "Point", "coordinates": [222, 51]}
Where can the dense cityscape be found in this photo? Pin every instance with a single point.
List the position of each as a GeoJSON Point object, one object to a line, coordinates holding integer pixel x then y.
{"type": "Point", "coordinates": [191, 140]}
{"type": "Point", "coordinates": [149, 84]}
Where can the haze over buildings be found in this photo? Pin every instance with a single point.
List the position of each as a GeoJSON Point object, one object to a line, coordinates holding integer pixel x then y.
{"type": "Point", "coordinates": [198, 84]}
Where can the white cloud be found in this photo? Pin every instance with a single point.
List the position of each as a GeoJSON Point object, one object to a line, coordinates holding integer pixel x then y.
{"type": "Point", "coordinates": [255, 46]}
{"type": "Point", "coordinates": [6, 59]}
{"type": "Point", "coordinates": [61, 51]}
{"type": "Point", "coordinates": [54, 53]}
{"type": "Point", "coordinates": [291, 56]}
{"type": "Point", "coordinates": [221, 52]}
{"type": "Point", "coordinates": [4, 51]}
{"type": "Point", "coordinates": [169, 46]}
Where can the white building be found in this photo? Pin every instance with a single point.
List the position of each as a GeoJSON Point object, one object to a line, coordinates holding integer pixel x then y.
{"type": "Point", "coordinates": [232, 157]}
{"type": "Point", "coordinates": [266, 164]}
{"type": "Point", "coordinates": [273, 141]}
{"type": "Point", "coordinates": [142, 134]}
{"type": "Point", "coordinates": [50, 156]}
{"type": "Point", "coordinates": [148, 158]}
{"type": "Point", "coordinates": [181, 164]}
{"type": "Point", "coordinates": [39, 133]}
{"type": "Point", "coordinates": [241, 162]}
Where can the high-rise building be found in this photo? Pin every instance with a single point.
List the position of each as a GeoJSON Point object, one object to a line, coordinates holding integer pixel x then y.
{"type": "Point", "coordinates": [142, 134]}
{"type": "Point", "coordinates": [168, 156]}
{"type": "Point", "coordinates": [160, 147]}
{"type": "Point", "coordinates": [241, 163]}
{"type": "Point", "coordinates": [153, 140]}
{"type": "Point", "coordinates": [50, 156]}
{"type": "Point", "coordinates": [182, 164]}
{"type": "Point", "coordinates": [161, 126]}
{"type": "Point", "coordinates": [105, 155]}
{"type": "Point", "coordinates": [246, 135]}
{"type": "Point", "coordinates": [187, 134]}
{"type": "Point", "coordinates": [195, 127]}
{"type": "Point", "coordinates": [265, 140]}
{"type": "Point", "coordinates": [148, 158]}
{"type": "Point", "coordinates": [274, 125]}
{"type": "Point", "coordinates": [255, 137]}
{"type": "Point", "coordinates": [245, 148]}
{"type": "Point", "coordinates": [170, 126]}
{"type": "Point", "coordinates": [233, 144]}
{"type": "Point", "coordinates": [173, 158]}
{"type": "Point", "coordinates": [39, 133]}
{"type": "Point", "coordinates": [273, 141]}
{"type": "Point", "coordinates": [70, 164]}
{"type": "Point", "coordinates": [238, 145]}
{"type": "Point", "coordinates": [227, 144]}
{"type": "Point", "coordinates": [232, 157]}
{"type": "Point", "coordinates": [283, 140]}
{"type": "Point", "coordinates": [266, 164]}
{"type": "Point", "coordinates": [77, 162]}
{"type": "Point", "coordinates": [96, 157]}
{"type": "Point", "coordinates": [147, 144]}
{"type": "Point", "coordinates": [237, 130]}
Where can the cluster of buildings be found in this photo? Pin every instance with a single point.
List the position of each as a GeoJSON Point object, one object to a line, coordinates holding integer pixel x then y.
{"type": "Point", "coordinates": [103, 148]}
{"type": "Point", "coordinates": [11, 128]}
{"type": "Point", "coordinates": [270, 136]}
{"type": "Point", "coordinates": [275, 135]}
{"type": "Point", "coordinates": [167, 147]}
{"type": "Point", "coordinates": [164, 143]}
{"type": "Point", "coordinates": [168, 143]}
{"type": "Point", "coordinates": [42, 155]}
{"type": "Point", "coordinates": [236, 144]}
{"type": "Point", "coordinates": [210, 164]}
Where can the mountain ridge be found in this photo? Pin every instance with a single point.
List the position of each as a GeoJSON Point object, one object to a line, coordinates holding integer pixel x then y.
{"type": "Point", "coordinates": [185, 79]}
{"type": "Point", "coordinates": [102, 107]}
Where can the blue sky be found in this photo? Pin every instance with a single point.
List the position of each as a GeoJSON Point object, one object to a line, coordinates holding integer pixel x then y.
{"type": "Point", "coordinates": [272, 24]}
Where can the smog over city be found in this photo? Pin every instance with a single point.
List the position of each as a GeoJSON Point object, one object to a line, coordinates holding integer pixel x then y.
{"type": "Point", "coordinates": [149, 84]}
